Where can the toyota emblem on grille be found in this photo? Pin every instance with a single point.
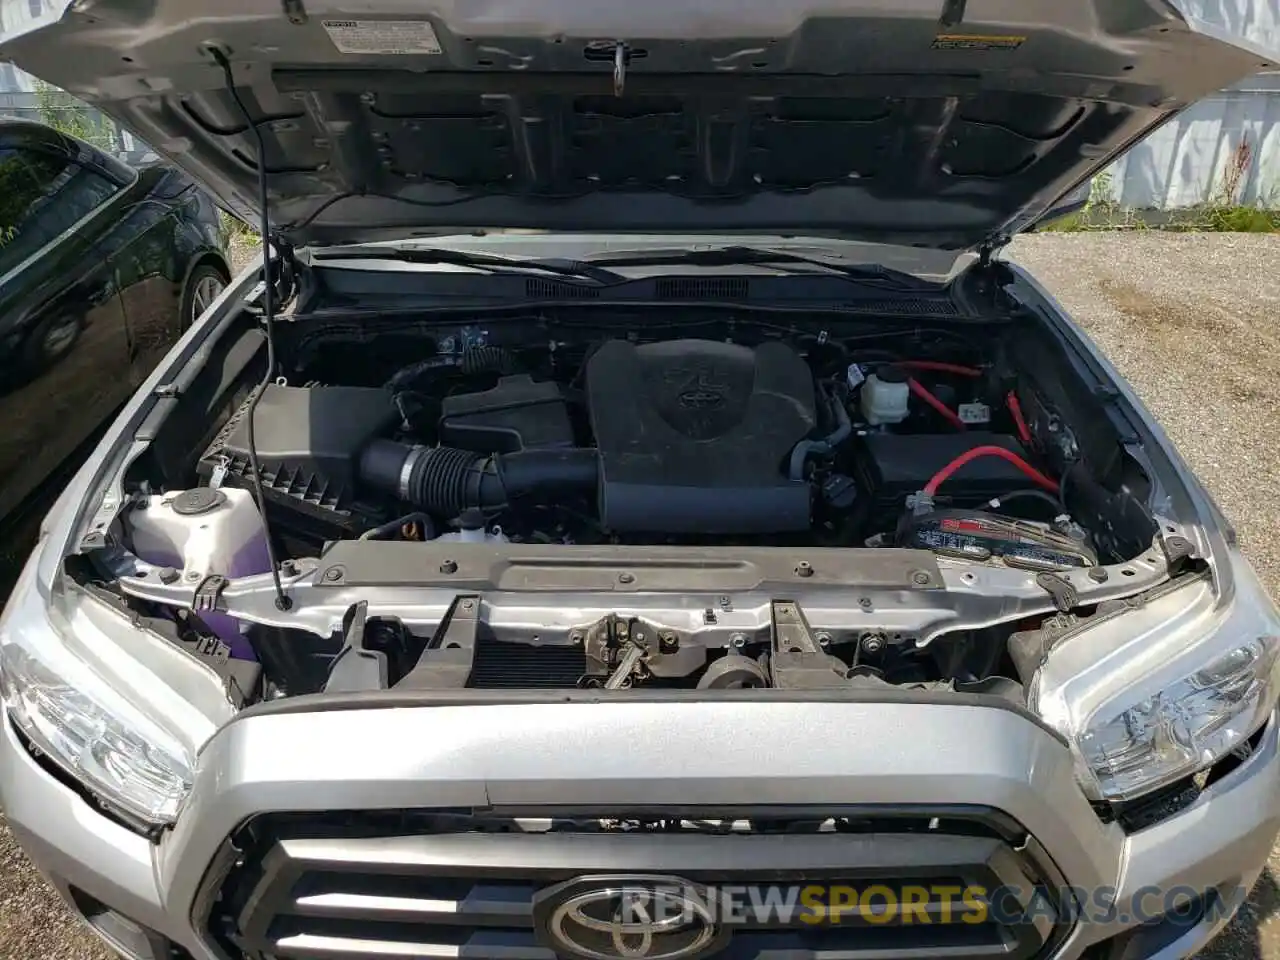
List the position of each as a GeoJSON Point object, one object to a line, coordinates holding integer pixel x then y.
{"type": "Point", "coordinates": [628, 917]}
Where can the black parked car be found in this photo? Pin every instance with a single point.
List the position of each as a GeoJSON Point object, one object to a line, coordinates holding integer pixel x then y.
{"type": "Point", "coordinates": [102, 267]}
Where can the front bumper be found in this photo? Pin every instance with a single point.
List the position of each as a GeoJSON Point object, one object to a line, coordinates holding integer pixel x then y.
{"type": "Point", "coordinates": [650, 755]}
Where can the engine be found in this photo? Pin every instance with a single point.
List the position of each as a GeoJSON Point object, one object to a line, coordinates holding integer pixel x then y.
{"type": "Point", "coordinates": [694, 436]}
{"type": "Point", "coordinates": [669, 441]}
{"type": "Point", "coordinates": [626, 434]}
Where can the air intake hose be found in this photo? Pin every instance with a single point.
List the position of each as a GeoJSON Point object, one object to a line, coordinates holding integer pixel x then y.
{"type": "Point", "coordinates": [445, 481]}
{"type": "Point", "coordinates": [471, 361]}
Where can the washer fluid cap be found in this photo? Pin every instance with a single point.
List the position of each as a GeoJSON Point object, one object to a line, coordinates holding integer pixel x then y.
{"type": "Point", "coordinates": [191, 503]}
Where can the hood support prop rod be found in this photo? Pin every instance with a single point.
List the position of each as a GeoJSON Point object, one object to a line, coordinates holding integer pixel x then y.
{"type": "Point", "coordinates": [268, 322]}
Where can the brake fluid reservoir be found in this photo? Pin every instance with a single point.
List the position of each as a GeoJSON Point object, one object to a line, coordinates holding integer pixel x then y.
{"type": "Point", "coordinates": [472, 530]}
{"type": "Point", "coordinates": [202, 532]}
{"type": "Point", "coordinates": [474, 536]}
{"type": "Point", "coordinates": [885, 396]}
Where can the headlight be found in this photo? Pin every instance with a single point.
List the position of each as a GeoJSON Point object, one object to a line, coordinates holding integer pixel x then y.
{"type": "Point", "coordinates": [109, 703]}
{"type": "Point", "coordinates": [1157, 692]}
{"type": "Point", "coordinates": [97, 737]}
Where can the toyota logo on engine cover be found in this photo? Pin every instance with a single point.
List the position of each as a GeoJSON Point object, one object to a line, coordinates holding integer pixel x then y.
{"type": "Point", "coordinates": [701, 400]}
{"type": "Point", "coordinates": [628, 917]}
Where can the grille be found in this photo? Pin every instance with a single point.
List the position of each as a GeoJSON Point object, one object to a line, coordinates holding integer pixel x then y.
{"type": "Point", "coordinates": [520, 666]}
{"type": "Point", "coordinates": [459, 885]}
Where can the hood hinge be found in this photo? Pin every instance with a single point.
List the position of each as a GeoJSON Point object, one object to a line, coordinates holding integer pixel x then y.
{"type": "Point", "coordinates": [989, 246]}
{"type": "Point", "coordinates": [284, 267]}
{"type": "Point", "coordinates": [286, 270]}
{"type": "Point", "coordinates": [952, 14]}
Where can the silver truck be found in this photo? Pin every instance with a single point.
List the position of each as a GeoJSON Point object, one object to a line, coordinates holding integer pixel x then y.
{"type": "Point", "coordinates": [631, 510]}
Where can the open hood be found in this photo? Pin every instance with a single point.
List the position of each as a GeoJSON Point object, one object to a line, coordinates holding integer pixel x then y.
{"type": "Point", "coordinates": [940, 123]}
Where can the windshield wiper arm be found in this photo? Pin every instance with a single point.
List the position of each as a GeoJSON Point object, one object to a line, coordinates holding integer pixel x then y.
{"type": "Point", "coordinates": [767, 257]}
{"type": "Point", "coordinates": [570, 269]}
{"type": "Point", "coordinates": [597, 269]}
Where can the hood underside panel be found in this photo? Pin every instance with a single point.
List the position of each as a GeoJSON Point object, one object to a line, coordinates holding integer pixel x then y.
{"type": "Point", "coordinates": [927, 123]}
{"type": "Point", "coordinates": [891, 169]}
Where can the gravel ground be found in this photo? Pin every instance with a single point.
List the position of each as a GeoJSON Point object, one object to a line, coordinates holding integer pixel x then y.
{"type": "Point", "coordinates": [242, 253]}
{"type": "Point", "coordinates": [1192, 320]}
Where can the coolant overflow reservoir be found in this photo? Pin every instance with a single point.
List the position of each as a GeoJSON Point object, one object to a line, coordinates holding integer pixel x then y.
{"type": "Point", "coordinates": [885, 396]}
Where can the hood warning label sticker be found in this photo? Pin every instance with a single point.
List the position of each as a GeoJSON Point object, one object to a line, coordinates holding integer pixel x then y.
{"type": "Point", "coordinates": [403, 37]}
{"type": "Point", "coordinates": [963, 41]}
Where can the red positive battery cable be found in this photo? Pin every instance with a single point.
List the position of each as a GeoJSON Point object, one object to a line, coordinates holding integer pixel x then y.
{"type": "Point", "coordinates": [987, 450]}
{"type": "Point", "coordinates": [943, 410]}
{"type": "Point", "coordinates": [1019, 421]}
{"type": "Point", "coordinates": [941, 366]}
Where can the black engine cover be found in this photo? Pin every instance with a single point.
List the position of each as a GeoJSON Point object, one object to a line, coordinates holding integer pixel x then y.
{"type": "Point", "coordinates": [694, 436]}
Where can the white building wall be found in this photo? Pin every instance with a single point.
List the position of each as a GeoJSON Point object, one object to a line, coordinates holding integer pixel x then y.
{"type": "Point", "coordinates": [1259, 20]}
{"type": "Point", "coordinates": [21, 13]}
{"type": "Point", "coordinates": [1190, 160]}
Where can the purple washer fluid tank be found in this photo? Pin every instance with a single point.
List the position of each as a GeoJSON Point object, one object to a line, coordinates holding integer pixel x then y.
{"type": "Point", "coordinates": [203, 532]}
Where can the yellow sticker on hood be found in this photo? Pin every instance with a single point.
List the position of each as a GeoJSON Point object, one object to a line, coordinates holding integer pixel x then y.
{"type": "Point", "coordinates": [402, 37]}
{"type": "Point", "coordinates": [965, 41]}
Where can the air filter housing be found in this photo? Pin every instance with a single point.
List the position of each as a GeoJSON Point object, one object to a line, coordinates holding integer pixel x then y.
{"type": "Point", "coordinates": [308, 441]}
